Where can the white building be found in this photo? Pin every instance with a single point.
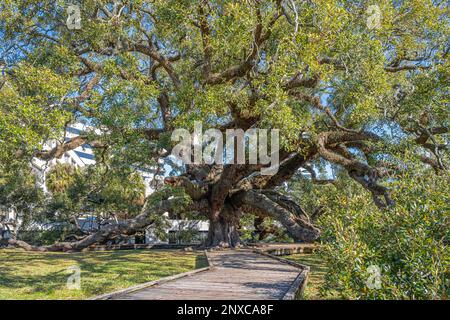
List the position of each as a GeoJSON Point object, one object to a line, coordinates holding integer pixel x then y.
{"type": "Point", "coordinates": [79, 157]}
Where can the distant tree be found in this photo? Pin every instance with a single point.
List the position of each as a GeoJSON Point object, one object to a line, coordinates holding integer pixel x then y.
{"type": "Point", "coordinates": [93, 191]}
{"type": "Point", "coordinates": [61, 177]}
{"type": "Point", "coordinates": [19, 195]}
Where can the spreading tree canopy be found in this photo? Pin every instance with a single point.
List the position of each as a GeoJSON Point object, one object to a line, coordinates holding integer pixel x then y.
{"type": "Point", "coordinates": [360, 86]}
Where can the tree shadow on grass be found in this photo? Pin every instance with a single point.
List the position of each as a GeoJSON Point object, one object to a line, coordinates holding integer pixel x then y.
{"type": "Point", "coordinates": [100, 271]}
{"type": "Point", "coordinates": [201, 261]}
{"type": "Point", "coordinates": [44, 284]}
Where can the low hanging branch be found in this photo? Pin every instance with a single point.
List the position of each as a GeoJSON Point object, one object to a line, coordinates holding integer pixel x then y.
{"type": "Point", "coordinates": [298, 227]}
{"type": "Point", "coordinates": [146, 218]}
{"type": "Point", "coordinates": [58, 151]}
{"type": "Point", "coordinates": [360, 172]}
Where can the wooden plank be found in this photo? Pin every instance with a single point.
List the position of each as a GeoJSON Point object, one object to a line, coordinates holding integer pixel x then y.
{"type": "Point", "coordinates": [147, 284]}
{"type": "Point", "coordinates": [237, 274]}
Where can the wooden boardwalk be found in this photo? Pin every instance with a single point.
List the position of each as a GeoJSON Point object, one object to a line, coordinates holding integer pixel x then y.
{"type": "Point", "coordinates": [235, 275]}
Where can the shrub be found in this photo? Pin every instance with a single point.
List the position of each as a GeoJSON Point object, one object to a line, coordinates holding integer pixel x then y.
{"type": "Point", "coordinates": [407, 244]}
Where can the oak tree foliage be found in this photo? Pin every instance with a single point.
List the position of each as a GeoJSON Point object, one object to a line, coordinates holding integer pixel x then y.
{"type": "Point", "coordinates": [364, 94]}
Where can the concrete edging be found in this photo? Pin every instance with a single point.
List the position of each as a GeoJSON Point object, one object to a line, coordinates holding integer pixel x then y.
{"type": "Point", "coordinates": [286, 250]}
{"type": "Point", "coordinates": [299, 284]}
{"type": "Point", "coordinates": [157, 246]}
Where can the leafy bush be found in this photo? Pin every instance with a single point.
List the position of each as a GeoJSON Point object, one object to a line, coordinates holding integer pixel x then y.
{"type": "Point", "coordinates": [408, 244]}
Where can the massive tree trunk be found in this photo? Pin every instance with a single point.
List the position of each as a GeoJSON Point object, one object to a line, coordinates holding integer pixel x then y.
{"type": "Point", "coordinates": [223, 230]}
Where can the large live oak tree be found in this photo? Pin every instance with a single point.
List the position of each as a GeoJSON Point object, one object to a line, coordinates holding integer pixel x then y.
{"type": "Point", "coordinates": [337, 81]}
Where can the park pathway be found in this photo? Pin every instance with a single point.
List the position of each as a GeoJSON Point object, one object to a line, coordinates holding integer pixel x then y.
{"type": "Point", "coordinates": [235, 274]}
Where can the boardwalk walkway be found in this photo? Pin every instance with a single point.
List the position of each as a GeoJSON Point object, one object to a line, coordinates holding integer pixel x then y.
{"type": "Point", "coordinates": [236, 274]}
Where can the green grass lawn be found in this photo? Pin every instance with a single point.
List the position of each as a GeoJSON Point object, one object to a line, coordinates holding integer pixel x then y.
{"type": "Point", "coordinates": [316, 275]}
{"type": "Point", "coordinates": [34, 275]}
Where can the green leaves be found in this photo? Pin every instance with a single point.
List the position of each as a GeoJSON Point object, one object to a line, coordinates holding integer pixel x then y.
{"type": "Point", "coordinates": [356, 86]}
{"type": "Point", "coordinates": [30, 108]}
{"type": "Point", "coordinates": [408, 243]}
{"type": "Point", "coordinates": [95, 190]}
